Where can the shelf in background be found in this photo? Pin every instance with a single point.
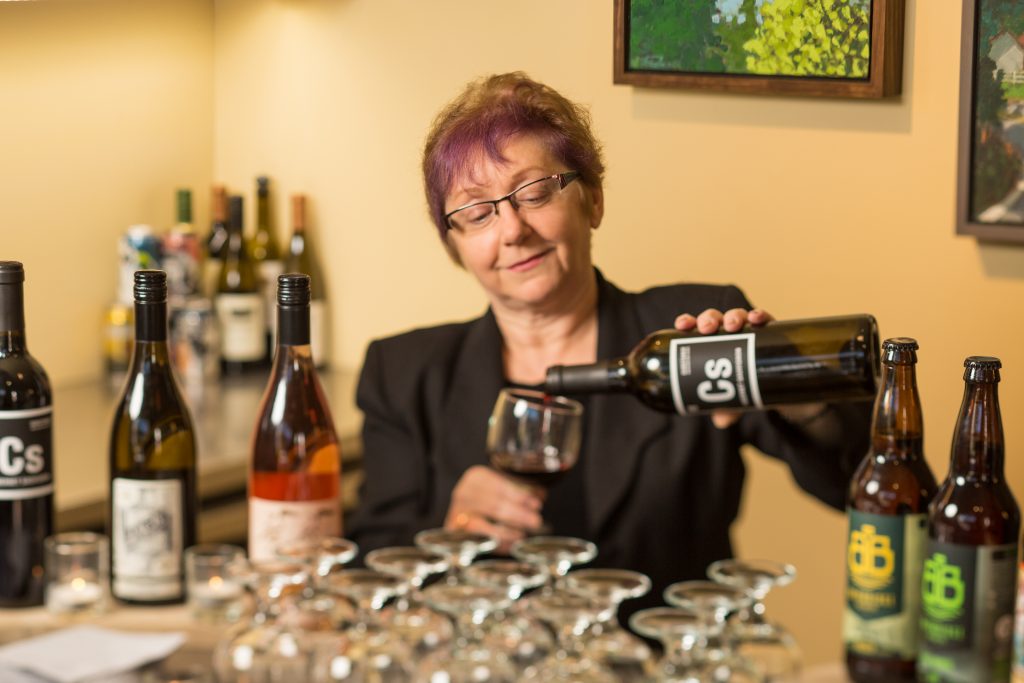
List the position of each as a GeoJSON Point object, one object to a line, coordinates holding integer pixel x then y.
{"type": "Point", "coordinates": [224, 415]}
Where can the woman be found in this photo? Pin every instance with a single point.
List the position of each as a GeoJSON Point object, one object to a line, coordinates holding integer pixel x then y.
{"type": "Point", "coordinates": [513, 178]}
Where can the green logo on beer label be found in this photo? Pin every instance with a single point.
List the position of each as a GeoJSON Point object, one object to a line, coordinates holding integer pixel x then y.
{"type": "Point", "coordinates": [942, 589]}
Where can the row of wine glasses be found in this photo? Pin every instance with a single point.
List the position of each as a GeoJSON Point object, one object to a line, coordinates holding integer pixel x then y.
{"type": "Point", "coordinates": [435, 613]}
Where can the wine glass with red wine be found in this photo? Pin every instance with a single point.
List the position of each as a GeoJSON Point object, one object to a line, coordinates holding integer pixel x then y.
{"type": "Point", "coordinates": [533, 436]}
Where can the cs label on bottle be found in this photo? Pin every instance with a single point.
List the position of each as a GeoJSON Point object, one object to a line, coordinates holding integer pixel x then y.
{"type": "Point", "coordinates": [714, 372]}
{"type": "Point", "coordinates": [25, 443]}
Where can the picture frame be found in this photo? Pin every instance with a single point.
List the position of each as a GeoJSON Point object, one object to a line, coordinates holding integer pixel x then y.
{"type": "Point", "coordinates": [810, 71]}
{"type": "Point", "coordinates": [990, 154]}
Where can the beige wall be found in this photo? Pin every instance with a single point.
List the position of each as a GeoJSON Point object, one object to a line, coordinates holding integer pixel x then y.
{"type": "Point", "coordinates": [813, 206]}
{"type": "Point", "coordinates": [107, 107]}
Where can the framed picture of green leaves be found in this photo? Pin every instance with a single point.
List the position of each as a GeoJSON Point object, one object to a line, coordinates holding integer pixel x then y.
{"type": "Point", "coordinates": [990, 166]}
{"type": "Point", "coordinates": [824, 48]}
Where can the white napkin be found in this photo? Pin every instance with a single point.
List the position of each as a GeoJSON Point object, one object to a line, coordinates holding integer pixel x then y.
{"type": "Point", "coordinates": [80, 652]}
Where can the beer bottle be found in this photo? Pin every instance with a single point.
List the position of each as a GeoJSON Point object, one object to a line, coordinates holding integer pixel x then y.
{"type": "Point", "coordinates": [889, 497]}
{"type": "Point", "coordinates": [968, 581]}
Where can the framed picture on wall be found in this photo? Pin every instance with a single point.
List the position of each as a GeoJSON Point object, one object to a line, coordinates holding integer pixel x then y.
{"type": "Point", "coordinates": [990, 167]}
{"type": "Point", "coordinates": [826, 48]}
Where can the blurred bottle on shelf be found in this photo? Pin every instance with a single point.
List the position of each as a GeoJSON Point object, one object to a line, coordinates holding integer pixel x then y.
{"type": "Point", "coordinates": [138, 248]}
{"type": "Point", "coordinates": [182, 253]}
{"type": "Point", "coordinates": [269, 265]}
{"type": "Point", "coordinates": [239, 305]}
{"type": "Point", "coordinates": [216, 240]}
{"type": "Point", "coordinates": [302, 258]}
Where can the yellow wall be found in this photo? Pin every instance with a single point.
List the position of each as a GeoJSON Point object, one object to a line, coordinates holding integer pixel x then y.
{"type": "Point", "coordinates": [107, 107]}
{"type": "Point", "coordinates": [812, 206]}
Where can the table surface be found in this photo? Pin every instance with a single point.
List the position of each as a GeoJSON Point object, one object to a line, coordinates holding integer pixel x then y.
{"type": "Point", "coordinates": [223, 413]}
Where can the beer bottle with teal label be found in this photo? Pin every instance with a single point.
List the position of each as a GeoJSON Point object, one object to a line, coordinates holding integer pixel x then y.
{"type": "Point", "coordinates": [969, 576]}
{"type": "Point", "coordinates": [889, 498]}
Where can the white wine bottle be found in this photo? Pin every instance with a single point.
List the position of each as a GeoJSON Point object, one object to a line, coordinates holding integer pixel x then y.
{"type": "Point", "coordinates": [152, 463]}
{"type": "Point", "coordinates": [295, 470]}
{"type": "Point", "coordinates": [302, 259]}
{"type": "Point", "coordinates": [238, 302]}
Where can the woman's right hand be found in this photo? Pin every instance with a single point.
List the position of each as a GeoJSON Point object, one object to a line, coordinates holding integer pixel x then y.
{"type": "Point", "coordinates": [487, 502]}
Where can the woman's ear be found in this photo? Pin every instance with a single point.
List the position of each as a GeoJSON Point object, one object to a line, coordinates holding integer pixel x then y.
{"type": "Point", "coordinates": [595, 201]}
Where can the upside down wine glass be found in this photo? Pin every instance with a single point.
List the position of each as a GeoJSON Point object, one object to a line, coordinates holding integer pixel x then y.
{"type": "Point", "coordinates": [712, 603]}
{"type": "Point", "coordinates": [569, 615]}
{"type": "Point", "coordinates": [468, 660]}
{"type": "Point", "coordinates": [420, 628]}
{"type": "Point", "coordinates": [558, 554]}
{"type": "Point", "coordinates": [618, 649]}
{"type": "Point", "coordinates": [771, 647]}
{"type": "Point", "coordinates": [458, 546]}
{"type": "Point", "coordinates": [513, 630]}
{"type": "Point", "coordinates": [366, 651]}
{"type": "Point", "coordinates": [266, 649]}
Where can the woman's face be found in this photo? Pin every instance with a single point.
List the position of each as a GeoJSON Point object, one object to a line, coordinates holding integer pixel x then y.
{"type": "Point", "coordinates": [526, 260]}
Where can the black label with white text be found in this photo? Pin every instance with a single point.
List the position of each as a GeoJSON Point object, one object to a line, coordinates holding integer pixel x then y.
{"type": "Point", "coordinates": [26, 445]}
{"type": "Point", "coordinates": [714, 372]}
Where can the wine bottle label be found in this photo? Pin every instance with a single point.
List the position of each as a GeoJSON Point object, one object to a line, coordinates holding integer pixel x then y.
{"type": "Point", "coordinates": [26, 446]}
{"type": "Point", "coordinates": [241, 326]}
{"type": "Point", "coordinates": [274, 523]}
{"type": "Point", "coordinates": [967, 612]}
{"type": "Point", "coordinates": [714, 372]}
{"type": "Point", "coordinates": [269, 270]}
{"type": "Point", "coordinates": [147, 537]}
{"type": "Point", "coordinates": [884, 555]}
{"type": "Point", "coordinates": [1018, 630]}
{"type": "Point", "coordinates": [318, 332]}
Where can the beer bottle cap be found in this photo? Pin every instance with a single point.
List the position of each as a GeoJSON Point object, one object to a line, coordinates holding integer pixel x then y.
{"type": "Point", "coordinates": [982, 369]}
{"type": "Point", "coordinates": [899, 351]}
{"type": "Point", "coordinates": [983, 362]}
{"type": "Point", "coordinates": [900, 344]}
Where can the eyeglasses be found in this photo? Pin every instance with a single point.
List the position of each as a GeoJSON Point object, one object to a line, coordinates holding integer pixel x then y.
{"type": "Point", "coordinates": [531, 196]}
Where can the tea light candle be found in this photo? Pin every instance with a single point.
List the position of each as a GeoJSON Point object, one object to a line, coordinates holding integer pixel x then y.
{"type": "Point", "coordinates": [75, 595]}
{"type": "Point", "coordinates": [216, 591]}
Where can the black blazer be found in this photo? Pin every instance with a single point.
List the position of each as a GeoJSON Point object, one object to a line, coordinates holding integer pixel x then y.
{"type": "Point", "coordinates": [661, 490]}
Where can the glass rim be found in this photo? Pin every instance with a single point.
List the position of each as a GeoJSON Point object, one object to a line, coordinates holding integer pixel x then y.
{"type": "Point", "coordinates": [552, 403]}
{"type": "Point", "coordinates": [70, 541]}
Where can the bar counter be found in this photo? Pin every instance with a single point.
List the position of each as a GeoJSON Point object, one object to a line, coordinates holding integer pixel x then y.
{"type": "Point", "coordinates": [224, 414]}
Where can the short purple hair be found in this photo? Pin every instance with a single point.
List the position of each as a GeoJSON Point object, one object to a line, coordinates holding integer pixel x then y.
{"type": "Point", "coordinates": [486, 115]}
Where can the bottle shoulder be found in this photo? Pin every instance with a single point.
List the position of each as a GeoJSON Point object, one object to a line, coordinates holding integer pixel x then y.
{"type": "Point", "coordinates": [974, 512]}
{"type": "Point", "coordinates": [23, 383]}
{"type": "Point", "coordinates": [891, 486]}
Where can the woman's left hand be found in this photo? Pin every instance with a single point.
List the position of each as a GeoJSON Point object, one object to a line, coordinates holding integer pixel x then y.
{"type": "Point", "coordinates": [711, 321]}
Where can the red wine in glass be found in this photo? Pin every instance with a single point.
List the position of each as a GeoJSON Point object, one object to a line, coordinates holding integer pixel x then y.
{"type": "Point", "coordinates": [534, 468]}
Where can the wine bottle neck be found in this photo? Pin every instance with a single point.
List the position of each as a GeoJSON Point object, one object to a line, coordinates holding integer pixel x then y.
{"type": "Point", "coordinates": [12, 317]}
{"type": "Point", "coordinates": [293, 325]}
{"type": "Point", "coordinates": [612, 375]}
{"type": "Point", "coordinates": [898, 424]}
{"type": "Point", "coordinates": [978, 446]}
{"type": "Point", "coordinates": [150, 322]}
